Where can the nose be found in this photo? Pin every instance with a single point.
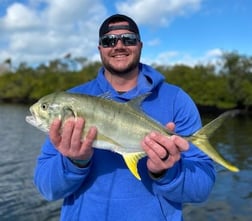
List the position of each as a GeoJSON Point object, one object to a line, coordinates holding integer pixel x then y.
{"type": "Point", "coordinates": [119, 43]}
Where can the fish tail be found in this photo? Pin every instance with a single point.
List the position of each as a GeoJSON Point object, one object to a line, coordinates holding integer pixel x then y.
{"type": "Point", "coordinates": [203, 144]}
{"type": "Point", "coordinates": [212, 126]}
{"type": "Point", "coordinates": [201, 140]}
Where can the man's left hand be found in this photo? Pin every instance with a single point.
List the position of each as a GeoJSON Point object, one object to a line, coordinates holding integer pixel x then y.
{"type": "Point", "coordinates": [163, 151]}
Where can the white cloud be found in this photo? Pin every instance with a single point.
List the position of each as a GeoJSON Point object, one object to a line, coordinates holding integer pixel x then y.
{"type": "Point", "coordinates": [47, 29]}
{"type": "Point", "coordinates": [216, 52]}
{"type": "Point", "coordinates": [19, 17]}
{"type": "Point", "coordinates": [42, 30]}
{"type": "Point", "coordinates": [175, 57]}
{"type": "Point", "coordinates": [157, 12]}
{"type": "Point", "coordinates": [64, 12]}
{"type": "Point", "coordinates": [153, 42]}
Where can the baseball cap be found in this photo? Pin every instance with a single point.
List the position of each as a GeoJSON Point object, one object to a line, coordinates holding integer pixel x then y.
{"type": "Point", "coordinates": [105, 27]}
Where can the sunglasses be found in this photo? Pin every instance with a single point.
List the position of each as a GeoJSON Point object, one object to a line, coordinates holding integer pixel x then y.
{"type": "Point", "coordinates": [110, 41]}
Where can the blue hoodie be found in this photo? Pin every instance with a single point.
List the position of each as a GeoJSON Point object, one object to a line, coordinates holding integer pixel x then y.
{"type": "Point", "coordinates": [106, 190]}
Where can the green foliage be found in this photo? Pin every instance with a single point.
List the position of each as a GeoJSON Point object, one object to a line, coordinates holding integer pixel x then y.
{"type": "Point", "coordinates": [230, 87]}
{"type": "Point", "coordinates": [238, 69]}
{"type": "Point", "coordinates": [204, 86]}
{"type": "Point", "coordinates": [27, 84]}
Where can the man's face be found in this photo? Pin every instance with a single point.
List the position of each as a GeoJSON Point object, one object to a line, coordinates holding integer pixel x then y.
{"type": "Point", "coordinates": [120, 59]}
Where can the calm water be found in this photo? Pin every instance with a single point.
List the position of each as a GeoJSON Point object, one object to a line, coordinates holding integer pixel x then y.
{"type": "Point", "coordinates": [231, 198]}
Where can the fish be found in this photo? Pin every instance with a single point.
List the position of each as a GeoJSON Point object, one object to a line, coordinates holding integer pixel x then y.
{"type": "Point", "coordinates": [120, 126]}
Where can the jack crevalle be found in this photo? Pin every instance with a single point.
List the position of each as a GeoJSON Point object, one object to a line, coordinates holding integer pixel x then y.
{"type": "Point", "coordinates": [121, 126]}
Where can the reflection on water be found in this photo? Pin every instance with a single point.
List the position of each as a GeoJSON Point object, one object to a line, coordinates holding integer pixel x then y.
{"type": "Point", "coordinates": [19, 147]}
{"type": "Point", "coordinates": [231, 198]}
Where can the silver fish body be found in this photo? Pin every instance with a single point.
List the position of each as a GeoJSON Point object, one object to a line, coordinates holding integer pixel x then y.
{"type": "Point", "coordinates": [121, 126]}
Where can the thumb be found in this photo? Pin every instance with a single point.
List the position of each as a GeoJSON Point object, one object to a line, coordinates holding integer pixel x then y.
{"type": "Point", "coordinates": [170, 126]}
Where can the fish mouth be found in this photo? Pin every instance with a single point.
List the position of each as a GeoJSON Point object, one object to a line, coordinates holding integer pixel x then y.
{"type": "Point", "coordinates": [34, 122]}
{"type": "Point", "coordinates": [31, 120]}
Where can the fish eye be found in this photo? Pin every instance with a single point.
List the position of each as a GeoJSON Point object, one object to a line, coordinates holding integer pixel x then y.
{"type": "Point", "coordinates": [44, 106]}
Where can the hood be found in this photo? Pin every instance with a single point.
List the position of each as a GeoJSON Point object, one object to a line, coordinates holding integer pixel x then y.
{"type": "Point", "coordinates": [148, 80]}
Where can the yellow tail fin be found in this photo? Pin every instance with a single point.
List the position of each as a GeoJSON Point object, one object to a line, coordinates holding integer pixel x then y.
{"type": "Point", "coordinates": [203, 144]}
{"type": "Point", "coordinates": [200, 139]}
{"type": "Point", "coordinates": [131, 160]}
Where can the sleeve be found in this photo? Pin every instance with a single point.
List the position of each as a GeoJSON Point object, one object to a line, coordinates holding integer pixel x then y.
{"type": "Point", "coordinates": [192, 178]}
{"type": "Point", "coordinates": [56, 176]}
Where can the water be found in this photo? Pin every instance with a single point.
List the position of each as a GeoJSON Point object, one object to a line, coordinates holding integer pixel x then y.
{"type": "Point", "coordinates": [231, 198]}
{"type": "Point", "coordinates": [19, 147]}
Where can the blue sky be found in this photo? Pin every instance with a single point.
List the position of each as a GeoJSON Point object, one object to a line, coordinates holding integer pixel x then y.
{"type": "Point", "coordinates": [173, 31]}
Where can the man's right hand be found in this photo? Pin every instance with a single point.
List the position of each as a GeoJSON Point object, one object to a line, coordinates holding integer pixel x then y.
{"type": "Point", "coordinates": [69, 140]}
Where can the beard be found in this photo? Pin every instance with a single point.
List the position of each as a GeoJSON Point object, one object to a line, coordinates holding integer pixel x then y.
{"type": "Point", "coordinates": [123, 70]}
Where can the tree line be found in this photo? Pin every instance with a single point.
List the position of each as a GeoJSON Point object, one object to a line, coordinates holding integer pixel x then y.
{"type": "Point", "coordinates": [227, 85]}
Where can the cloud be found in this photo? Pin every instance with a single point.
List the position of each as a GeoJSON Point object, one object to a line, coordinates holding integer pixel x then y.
{"type": "Point", "coordinates": [43, 30]}
{"type": "Point", "coordinates": [157, 12]}
{"type": "Point", "coordinates": [19, 17]}
{"type": "Point", "coordinates": [153, 42]}
{"type": "Point", "coordinates": [65, 12]}
{"type": "Point", "coordinates": [175, 57]}
{"type": "Point", "coordinates": [216, 52]}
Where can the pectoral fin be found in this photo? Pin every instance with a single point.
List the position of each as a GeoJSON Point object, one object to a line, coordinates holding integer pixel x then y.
{"type": "Point", "coordinates": [131, 160]}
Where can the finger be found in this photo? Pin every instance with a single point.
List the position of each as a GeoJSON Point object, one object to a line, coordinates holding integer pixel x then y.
{"type": "Point", "coordinates": [170, 126]}
{"type": "Point", "coordinates": [149, 150]}
{"type": "Point", "coordinates": [154, 163]}
{"type": "Point", "coordinates": [181, 143]}
{"type": "Point", "coordinates": [164, 158]}
{"type": "Point", "coordinates": [169, 146]}
{"type": "Point", "coordinates": [77, 134]}
{"type": "Point", "coordinates": [153, 142]}
{"type": "Point", "coordinates": [86, 148]}
{"type": "Point", "coordinates": [54, 132]}
{"type": "Point", "coordinates": [91, 136]}
{"type": "Point", "coordinates": [173, 144]}
{"type": "Point", "coordinates": [67, 132]}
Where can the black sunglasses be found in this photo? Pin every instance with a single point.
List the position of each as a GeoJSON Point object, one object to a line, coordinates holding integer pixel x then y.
{"type": "Point", "coordinates": [110, 41]}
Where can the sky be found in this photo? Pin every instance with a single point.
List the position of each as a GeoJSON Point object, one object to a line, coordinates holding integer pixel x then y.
{"type": "Point", "coordinates": [186, 32]}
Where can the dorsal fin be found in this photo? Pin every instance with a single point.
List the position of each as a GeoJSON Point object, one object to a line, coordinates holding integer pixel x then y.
{"type": "Point", "coordinates": [107, 95]}
{"type": "Point", "coordinates": [136, 102]}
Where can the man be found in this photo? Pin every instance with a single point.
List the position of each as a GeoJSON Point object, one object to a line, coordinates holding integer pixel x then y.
{"type": "Point", "coordinates": [96, 184]}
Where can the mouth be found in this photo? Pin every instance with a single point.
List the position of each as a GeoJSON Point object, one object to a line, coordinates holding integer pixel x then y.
{"type": "Point", "coordinates": [31, 120]}
{"type": "Point", "coordinates": [120, 55]}
{"type": "Point", "coordinates": [35, 122]}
